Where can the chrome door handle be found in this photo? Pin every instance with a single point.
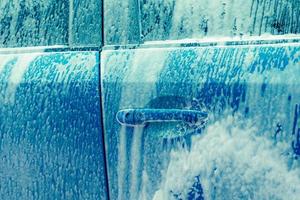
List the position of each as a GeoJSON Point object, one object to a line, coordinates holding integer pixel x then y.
{"type": "Point", "coordinates": [136, 117]}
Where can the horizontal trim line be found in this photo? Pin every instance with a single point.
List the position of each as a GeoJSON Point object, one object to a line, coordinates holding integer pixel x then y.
{"type": "Point", "coordinates": [211, 42]}
{"type": "Point", "coordinates": [42, 49]}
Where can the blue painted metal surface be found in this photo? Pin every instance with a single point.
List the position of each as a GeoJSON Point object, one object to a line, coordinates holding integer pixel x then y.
{"type": "Point", "coordinates": [27, 23]}
{"type": "Point", "coordinates": [135, 21]}
{"type": "Point", "coordinates": [258, 82]}
{"type": "Point", "coordinates": [50, 127]}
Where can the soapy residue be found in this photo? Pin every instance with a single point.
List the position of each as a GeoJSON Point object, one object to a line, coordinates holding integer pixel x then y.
{"type": "Point", "coordinates": [232, 163]}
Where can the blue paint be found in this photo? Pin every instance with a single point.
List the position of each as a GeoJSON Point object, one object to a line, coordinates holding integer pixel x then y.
{"type": "Point", "coordinates": [50, 135]}
{"type": "Point", "coordinates": [257, 82]}
{"type": "Point", "coordinates": [296, 131]}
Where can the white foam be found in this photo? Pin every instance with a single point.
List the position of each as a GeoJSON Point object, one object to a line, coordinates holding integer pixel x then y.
{"type": "Point", "coordinates": [4, 60]}
{"type": "Point", "coordinates": [218, 16]}
{"type": "Point", "coordinates": [221, 40]}
{"type": "Point", "coordinates": [233, 163]}
{"type": "Point", "coordinates": [135, 160]}
{"type": "Point", "coordinates": [122, 159]}
{"type": "Point", "coordinates": [16, 76]}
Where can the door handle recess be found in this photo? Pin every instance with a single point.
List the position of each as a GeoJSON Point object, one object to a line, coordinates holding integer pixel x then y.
{"type": "Point", "coordinates": [137, 117]}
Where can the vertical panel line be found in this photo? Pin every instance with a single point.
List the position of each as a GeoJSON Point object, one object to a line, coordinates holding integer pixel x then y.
{"type": "Point", "coordinates": [102, 128]}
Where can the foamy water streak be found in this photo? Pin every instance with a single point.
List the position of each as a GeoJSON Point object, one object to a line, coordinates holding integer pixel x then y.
{"type": "Point", "coordinates": [135, 160]}
{"type": "Point", "coordinates": [233, 163]}
{"type": "Point", "coordinates": [143, 74]}
{"type": "Point", "coordinates": [122, 159]}
{"type": "Point", "coordinates": [3, 61]}
{"type": "Point", "coordinates": [145, 179]}
{"type": "Point", "coordinates": [17, 75]}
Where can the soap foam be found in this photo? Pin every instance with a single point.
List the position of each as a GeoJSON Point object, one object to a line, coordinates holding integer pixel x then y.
{"type": "Point", "coordinates": [17, 75]}
{"type": "Point", "coordinates": [233, 162]}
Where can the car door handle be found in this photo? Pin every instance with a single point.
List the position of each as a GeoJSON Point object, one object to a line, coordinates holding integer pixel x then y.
{"type": "Point", "coordinates": [138, 117]}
